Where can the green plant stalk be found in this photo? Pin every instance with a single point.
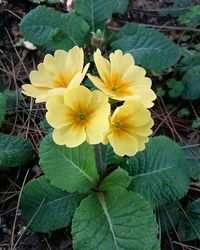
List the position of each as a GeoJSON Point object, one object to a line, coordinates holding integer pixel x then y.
{"type": "Point", "coordinates": [99, 161]}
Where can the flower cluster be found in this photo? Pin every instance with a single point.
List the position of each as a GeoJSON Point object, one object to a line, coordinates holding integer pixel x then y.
{"type": "Point", "coordinates": [78, 114]}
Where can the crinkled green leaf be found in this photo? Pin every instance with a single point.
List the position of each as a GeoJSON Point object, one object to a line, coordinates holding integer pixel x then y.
{"type": "Point", "coordinates": [184, 112]}
{"type": "Point", "coordinates": [191, 82]}
{"type": "Point", "coordinates": [192, 17]}
{"type": "Point", "coordinates": [189, 61]}
{"type": "Point", "coordinates": [95, 11]}
{"type": "Point", "coordinates": [14, 150]}
{"type": "Point", "coordinates": [45, 125]}
{"type": "Point", "coordinates": [13, 98]}
{"type": "Point", "coordinates": [189, 226]}
{"type": "Point", "coordinates": [2, 107]}
{"type": "Point", "coordinates": [160, 91]}
{"type": "Point", "coordinates": [50, 29]}
{"type": "Point", "coordinates": [118, 178]}
{"type": "Point", "coordinates": [149, 47]}
{"type": "Point", "coordinates": [176, 88]}
{"type": "Point", "coordinates": [116, 220]}
{"type": "Point", "coordinates": [71, 169]}
{"type": "Point", "coordinates": [196, 123]}
{"type": "Point", "coordinates": [193, 157]}
{"type": "Point", "coordinates": [176, 8]}
{"type": "Point", "coordinates": [168, 217]}
{"type": "Point", "coordinates": [109, 157]}
{"type": "Point", "coordinates": [155, 171]}
{"type": "Point", "coordinates": [47, 208]}
{"type": "Point", "coordinates": [121, 6]}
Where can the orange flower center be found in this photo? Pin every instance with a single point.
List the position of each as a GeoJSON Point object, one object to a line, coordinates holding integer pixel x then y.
{"type": "Point", "coordinates": [114, 89]}
{"type": "Point", "coordinates": [117, 125]}
{"type": "Point", "coordinates": [82, 117]}
{"type": "Point", "coordinates": [61, 81]}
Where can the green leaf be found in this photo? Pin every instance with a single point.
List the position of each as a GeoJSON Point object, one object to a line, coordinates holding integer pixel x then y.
{"type": "Point", "coordinates": [149, 47]}
{"type": "Point", "coordinates": [192, 153]}
{"type": "Point", "coordinates": [191, 82]}
{"type": "Point", "coordinates": [95, 11]}
{"type": "Point", "coordinates": [184, 112]}
{"type": "Point", "coordinates": [168, 217]}
{"type": "Point", "coordinates": [121, 6]}
{"type": "Point", "coordinates": [176, 8]}
{"type": "Point", "coordinates": [13, 98]}
{"type": "Point", "coordinates": [53, 30]}
{"type": "Point", "coordinates": [160, 91]}
{"type": "Point", "coordinates": [109, 157]}
{"type": "Point", "coordinates": [196, 123]}
{"type": "Point", "coordinates": [45, 125]}
{"type": "Point", "coordinates": [114, 220]}
{"type": "Point", "coordinates": [71, 169]}
{"type": "Point", "coordinates": [3, 100]}
{"type": "Point", "coordinates": [185, 38]}
{"type": "Point", "coordinates": [118, 178]}
{"type": "Point", "coordinates": [189, 226]}
{"type": "Point", "coordinates": [14, 150]}
{"type": "Point", "coordinates": [155, 172]}
{"type": "Point", "coordinates": [176, 88]}
{"type": "Point", "coordinates": [47, 208]}
{"type": "Point", "coordinates": [192, 17]}
{"type": "Point", "coordinates": [189, 61]}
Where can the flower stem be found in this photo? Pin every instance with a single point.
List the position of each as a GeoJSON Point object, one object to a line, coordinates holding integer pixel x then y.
{"type": "Point", "coordinates": [99, 161]}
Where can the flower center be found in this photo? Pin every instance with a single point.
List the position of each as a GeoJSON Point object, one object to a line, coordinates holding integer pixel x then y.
{"type": "Point", "coordinates": [114, 89]}
{"type": "Point", "coordinates": [61, 81]}
{"type": "Point", "coordinates": [117, 124]}
{"type": "Point", "coordinates": [82, 117]}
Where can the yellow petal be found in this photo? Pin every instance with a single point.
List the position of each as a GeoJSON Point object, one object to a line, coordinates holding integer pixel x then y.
{"type": "Point", "coordinates": [98, 83]}
{"type": "Point", "coordinates": [102, 64]}
{"type": "Point", "coordinates": [55, 64]}
{"type": "Point", "coordinates": [57, 115]}
{"type": "Point", "coordinates": [120, 63]}
{"type": "Point", "coordinates": [49, 93]}
{"type": "Point", "coordinates": [144, 95]}
{"type": "Point", "coordinates": [99, 122]}
{"type": "Point", "coordinates": [96, 128]}
{"type": "Point", "coordinates": [146, 81]}
{"type": "Point", "coordinates": [74, 62]}
{"type": "Point", "coordinates": [122, 114]}
{"type": "Point", "coordinates": [99, 101]}
{"type": "Point", "coordinates": [48, 64]}
{"type": "Point", "coordinates": [60, 58]}
{"type": "Point", "coordinates": [130, 126]}
{"type": "Point", "coordinates": [133, 74]}
{"type": "Point", "coordinates": [41, 77]}
{"type": "Point", "coordinates": [141, 142]}
{"type": "Point", "coordinates": [36, 92]}
{"type": "Point", "coordinates": [140, 115]}
{"type": "Point", "coordinates": [121, 96]}
{"type": "Point", "coordinates": [144, 130]}
{"type": "Point", "coordinates": [124, 93]}
{"type": "Point", "coordinates": [123, 143]}
{"type": "Point", "coordinates": [105, 139]}
{"type": "Point", "coordinates": [77, 98]}
{"type": "Point", "coordinates": [78, 78]}
{"type": "Point", "coordinates": [71, 135]}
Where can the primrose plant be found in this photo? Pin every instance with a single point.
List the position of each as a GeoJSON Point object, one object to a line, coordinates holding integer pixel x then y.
{"type": "Point", "coordinates": [102, 174]}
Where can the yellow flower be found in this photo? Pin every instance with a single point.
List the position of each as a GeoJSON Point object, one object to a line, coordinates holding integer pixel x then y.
{"type": "Point", "coordinates": [121, 79]}
{"type": "Point", "coordinates": [130, 126]}
{"type": "Point", "coordinates": [56, 73]}
{"type": "Point", "coordinates": [77, 116]}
